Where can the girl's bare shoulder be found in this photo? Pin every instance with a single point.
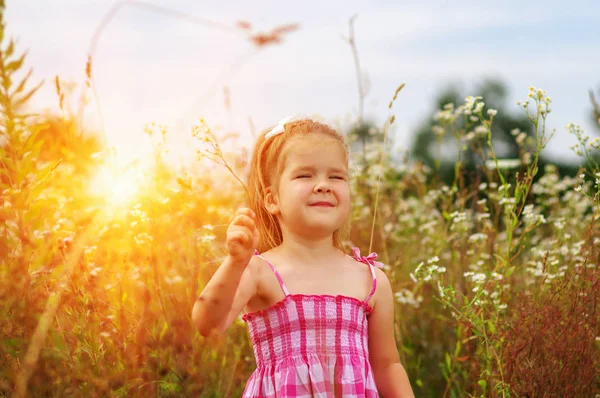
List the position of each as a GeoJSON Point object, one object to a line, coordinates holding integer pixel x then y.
{"type": "Point", "coordinates": [268, 290]}
{"type": "Point", "coordinates": [262, 271]}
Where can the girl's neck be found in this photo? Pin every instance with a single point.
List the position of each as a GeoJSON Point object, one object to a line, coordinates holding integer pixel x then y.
{"type": "Point", "coordinates": [309, 250]}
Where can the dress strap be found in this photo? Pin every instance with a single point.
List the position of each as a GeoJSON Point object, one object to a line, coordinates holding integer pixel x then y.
{"type": "Point", "coordinates": [370, 261]}
{"type": "Point", "coordinates": [279, 279]}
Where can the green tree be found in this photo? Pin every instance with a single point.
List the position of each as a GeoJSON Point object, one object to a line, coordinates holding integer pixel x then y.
{"type": "Point", "coordinates": [494, 95]}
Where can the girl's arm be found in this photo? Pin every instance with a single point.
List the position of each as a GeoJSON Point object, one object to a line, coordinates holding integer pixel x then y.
{"type": "Point", "coordinates": [390, 376]}
{"type": "Point", "coordinates": [234, 283]}
{"type": "Point", "coordinates": [224, 297]}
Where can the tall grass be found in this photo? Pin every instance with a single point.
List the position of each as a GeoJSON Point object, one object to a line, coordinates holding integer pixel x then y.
{"type": "Point", "coordinates": [496, 274]}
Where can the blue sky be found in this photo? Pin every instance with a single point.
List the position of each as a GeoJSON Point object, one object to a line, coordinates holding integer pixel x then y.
{"type": "Point", "coordinates": [152, 68]}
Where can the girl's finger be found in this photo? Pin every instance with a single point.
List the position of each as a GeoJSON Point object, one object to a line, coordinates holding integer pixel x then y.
{"type": "Point", "coordinates": [246, 211]}
{"type": "Point", "coordinates": [237, 231]}
{"type": "Point", "coordinates": [238, 237]}
{"type": "Point", "coordinates": [244, 220]}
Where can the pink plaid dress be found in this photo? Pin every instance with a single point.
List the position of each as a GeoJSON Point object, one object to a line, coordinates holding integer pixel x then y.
{"type": "Point", "coordinates": [312, 345]}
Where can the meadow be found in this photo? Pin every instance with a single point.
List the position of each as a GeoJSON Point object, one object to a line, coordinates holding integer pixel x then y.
{"type": "Point", "coordinates": [496, 272]}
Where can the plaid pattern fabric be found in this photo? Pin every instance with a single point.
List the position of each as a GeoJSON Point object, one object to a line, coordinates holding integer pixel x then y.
{"type": "Point", "coordinates": [311, 346]}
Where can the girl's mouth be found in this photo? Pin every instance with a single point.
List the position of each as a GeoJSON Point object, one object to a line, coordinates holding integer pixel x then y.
{"type": "Point", "coordinates": [322, 204]}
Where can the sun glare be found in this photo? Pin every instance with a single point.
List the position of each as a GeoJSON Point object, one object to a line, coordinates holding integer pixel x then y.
{"type": "Point", "coordinates": [118, 186]}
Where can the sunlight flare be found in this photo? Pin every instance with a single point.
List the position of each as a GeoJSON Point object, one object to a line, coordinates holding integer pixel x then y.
{"type": "Point", "coordinates": [119, 186]}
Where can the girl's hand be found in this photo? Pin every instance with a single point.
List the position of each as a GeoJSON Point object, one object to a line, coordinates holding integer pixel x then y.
{"type": "Point", "coordinates": [242, 237]}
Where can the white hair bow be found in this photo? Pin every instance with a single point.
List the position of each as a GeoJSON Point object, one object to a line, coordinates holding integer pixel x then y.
{"type": "Point", "coordinates": [280, 128]}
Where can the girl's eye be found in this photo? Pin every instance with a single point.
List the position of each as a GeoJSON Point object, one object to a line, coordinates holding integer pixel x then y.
{"type": "Point", "coordinates": [338, 177]}
{"type": "Point", "coordinates": [303, 176]}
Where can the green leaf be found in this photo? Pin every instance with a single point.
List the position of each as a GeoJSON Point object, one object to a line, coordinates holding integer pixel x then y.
{"type": "Point", "coordinates": [36, 148]}
{"type": "Point", "coordinates": [10, 49]}
{"type": "Point", "coordinates": [22, 84]}
{"type": "Point", "coordinates": [13, 346]}
{"type": "Point", "coordinates": [499, 258]}
{"type": "Point", "coordinates": [509, 271]}
{"type": "Point", "coordinates": [14, 66]}
{"type": "Point", "coordinates": [57, 340]}
{"type": "Point", "coordinates": [21, 101]}
{"type": "Point", "coordinates": [6, 82]}
{"type": "Point", "coordinates": [164, 330]}
{"type": "Point", "coordinates": [183, 184]}
{"type": "Point", "coordinates": [445, 373]}
{"type": "Point", "coordinates": [457, 349]}
{"type": "Point", "coordinates": [483, 384]}
{"type": "Point", "coordinates": [53, 300]}
{"type": "Point", "coordinates": [169, 387]}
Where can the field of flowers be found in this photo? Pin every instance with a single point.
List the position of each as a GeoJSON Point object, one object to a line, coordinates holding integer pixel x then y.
{"type": "Point", "coordinates": [496, 274]}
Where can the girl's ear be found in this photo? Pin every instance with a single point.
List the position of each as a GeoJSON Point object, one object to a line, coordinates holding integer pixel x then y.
{"type": "Point", "coordinates": [271, 202]}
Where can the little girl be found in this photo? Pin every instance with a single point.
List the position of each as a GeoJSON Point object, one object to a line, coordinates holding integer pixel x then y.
{"type": "Point", "coordinates": [321, 322]}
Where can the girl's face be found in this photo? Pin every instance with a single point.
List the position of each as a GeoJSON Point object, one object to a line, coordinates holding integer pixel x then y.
{"type": "Point", "coordinates": [312, 197]}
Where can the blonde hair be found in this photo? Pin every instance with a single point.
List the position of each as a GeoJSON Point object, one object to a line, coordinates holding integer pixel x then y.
{"type": "Point", "coordinates": [267, 163]}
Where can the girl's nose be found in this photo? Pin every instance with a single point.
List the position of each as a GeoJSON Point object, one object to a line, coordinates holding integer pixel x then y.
{"type": "Point", "coordinates": [322, 187]}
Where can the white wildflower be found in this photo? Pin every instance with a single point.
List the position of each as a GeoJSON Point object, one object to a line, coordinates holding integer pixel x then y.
{"type": "Point", "coordinates": [477, 237]}
{"type": "Point", "coordinates": [207, 238]}
{"type": "Point", "coordinates": [440, 288]}
{"type": "Point", "coordinates": [481, 130]}
{"type": "Point", "coordinates": [438, 130]}
{"type": "Point", "coordinates": [405, 296]}
{"type": "Point", "coordinates": [559, 224]}
{"type": "Point", "coordinates": [479, 107]}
